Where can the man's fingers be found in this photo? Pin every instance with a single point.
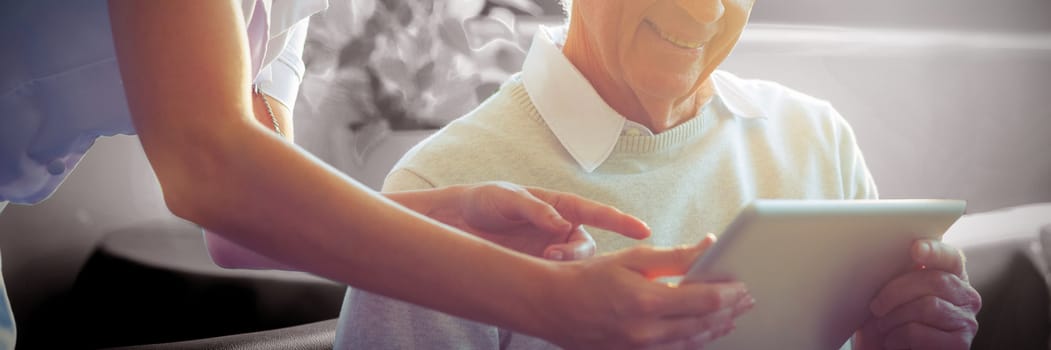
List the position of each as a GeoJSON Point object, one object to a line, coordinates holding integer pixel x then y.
{"type": "Point", "coordinates": [931, 311]}
{"type": "Point", "coordinates": [939, 256]}
{"type": "Point", "coordinates": [919, 336]}
{"type": "Point", "coordinates": [580, 210]}
{"type": "Point", "coordinates": [918, 284]}
{"type": "Point", "coordinates": [578, 246]}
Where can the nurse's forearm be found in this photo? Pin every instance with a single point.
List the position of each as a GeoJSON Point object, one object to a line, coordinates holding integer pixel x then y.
{"type": "Point", "coordinates": [185, 71]}
{"type": "Point", "coordinates": [316, 220]}
{"type": "Point", "coordinates": [228, 254]}
{"type": "Point", "coordinates": [231, 255]}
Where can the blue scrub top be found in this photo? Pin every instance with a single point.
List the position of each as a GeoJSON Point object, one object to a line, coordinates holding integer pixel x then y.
{"type": "Point", "coordinates": [60, 89]}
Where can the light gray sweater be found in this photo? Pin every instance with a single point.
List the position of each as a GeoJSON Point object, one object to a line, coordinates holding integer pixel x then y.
{"type": "Point", "coordinates": [683, 182]}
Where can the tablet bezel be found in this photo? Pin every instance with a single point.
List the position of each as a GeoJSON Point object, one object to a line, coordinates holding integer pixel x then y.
{"type": "Point", "coordinates": [781, 249]}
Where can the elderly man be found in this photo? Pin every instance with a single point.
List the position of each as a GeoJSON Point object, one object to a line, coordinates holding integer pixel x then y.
{"type": "Point", "coordinates": [626, 107]}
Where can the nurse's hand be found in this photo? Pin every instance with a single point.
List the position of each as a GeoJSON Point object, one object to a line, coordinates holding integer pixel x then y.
{"type": "Point", "coordinates": [534, 221]}
{"type": "Point", "coordinates": [613, 302]}
{"type": "Point", "coordinates": [932, 307]}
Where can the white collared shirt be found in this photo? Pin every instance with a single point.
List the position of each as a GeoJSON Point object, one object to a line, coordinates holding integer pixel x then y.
{"type": "Point", "coordinates": [582, 121]}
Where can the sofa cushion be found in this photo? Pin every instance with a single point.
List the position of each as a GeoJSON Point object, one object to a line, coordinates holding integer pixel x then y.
{"type": "Point", "coordinates": [1007, 265]}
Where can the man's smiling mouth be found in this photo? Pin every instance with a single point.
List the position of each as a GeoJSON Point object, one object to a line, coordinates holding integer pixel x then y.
{"type": "Point", "coordinates": [674, 40]}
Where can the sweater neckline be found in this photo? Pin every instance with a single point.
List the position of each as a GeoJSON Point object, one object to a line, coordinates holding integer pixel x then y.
{"type": "Point", "coordinates": [680, 134]}
{"type": "Point", "coordinates": [676, 136]}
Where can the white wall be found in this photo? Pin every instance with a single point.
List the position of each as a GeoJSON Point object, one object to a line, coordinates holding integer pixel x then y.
{"type": "Point", "coordinates": [937, 113]}
{"type": "Point", "coordinates": [1000, 15]}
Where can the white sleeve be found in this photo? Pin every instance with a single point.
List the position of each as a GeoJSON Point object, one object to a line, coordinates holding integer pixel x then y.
{"type": "Point", "coordinates": [282, 77]}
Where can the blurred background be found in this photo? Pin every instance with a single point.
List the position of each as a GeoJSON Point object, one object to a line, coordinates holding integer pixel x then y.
{"type": "Point", "coordinates": [948, 98]}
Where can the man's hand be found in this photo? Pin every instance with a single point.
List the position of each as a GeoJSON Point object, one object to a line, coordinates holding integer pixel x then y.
{"type": "Point", "coordinates": [612, 302]}
{"type": "Point", "coordinates": [534, 221]}
{"type": "Point", "coordinates": [931, 307]}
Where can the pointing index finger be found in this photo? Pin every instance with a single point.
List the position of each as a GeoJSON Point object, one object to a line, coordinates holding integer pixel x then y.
{"type": "Point", "coordinates": [580, 210]}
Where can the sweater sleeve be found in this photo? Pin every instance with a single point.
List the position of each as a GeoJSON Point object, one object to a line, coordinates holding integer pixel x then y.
{"type": "Point", "coordinates": [401, 179]}
{"type": "Point", "coordinates": [856, 179]}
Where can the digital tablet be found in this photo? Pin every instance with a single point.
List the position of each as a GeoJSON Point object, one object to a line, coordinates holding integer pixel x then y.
{"type": "Point", "coordinates": [814, 266]}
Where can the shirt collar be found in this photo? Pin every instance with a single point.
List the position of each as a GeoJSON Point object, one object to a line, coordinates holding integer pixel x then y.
{"type": "Point", "coordinates": [583, 123]}
{"type": "Point", "coordinates": [737, 101]}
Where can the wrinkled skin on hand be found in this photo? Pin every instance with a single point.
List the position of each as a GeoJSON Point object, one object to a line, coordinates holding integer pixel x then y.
{"type": "Point", "coordinates": [933, 306]}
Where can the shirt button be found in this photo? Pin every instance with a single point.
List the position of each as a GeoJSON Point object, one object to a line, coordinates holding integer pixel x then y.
{"type": "Point", "coordinates": [632, 132]}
